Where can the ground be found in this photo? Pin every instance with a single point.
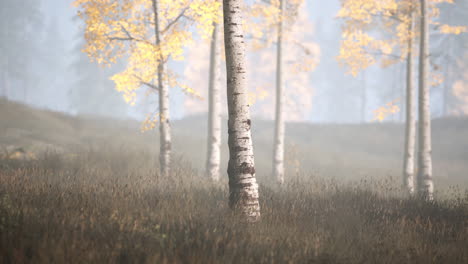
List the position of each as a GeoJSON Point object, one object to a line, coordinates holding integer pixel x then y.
{"type": "Point", "coordinates": [87, 190]}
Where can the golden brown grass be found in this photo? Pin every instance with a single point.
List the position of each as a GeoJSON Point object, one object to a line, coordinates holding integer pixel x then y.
{"type": "Point", "coordinates": [97, 198]}
{"type": "Point", "coordinates": [113, 208]}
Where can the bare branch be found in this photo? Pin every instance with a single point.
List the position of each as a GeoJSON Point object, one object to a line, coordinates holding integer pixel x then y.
{"type": "Point", "coordinates": [125, 30]}
{"type": "Point", "coordinates": [150, 85]}
{"type": "Point", "coordinates": [120, 38]}
{"type": "Point", "coordinates": [306, 50]}
{"type": "Point", "coordinates": [174, 21]}
{"type": "Point", "coordinates": [129, 37]}
{"type": "Point", "coordinates": [376, 53]}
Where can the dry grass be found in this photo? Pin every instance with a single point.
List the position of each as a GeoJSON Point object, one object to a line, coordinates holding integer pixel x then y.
{"type": "Point", "coordinates": [102, 201]}
{"type": "Point", "coordinates": [113, 208]}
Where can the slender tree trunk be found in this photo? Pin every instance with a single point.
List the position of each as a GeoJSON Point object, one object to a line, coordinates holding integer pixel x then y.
{"type": "Point", "coordinates": [243, 187]}
{"type": "Point", "coordinates": [278, 148]}
{"type": "Point", "coordinates": [164, 124]}
{"type": "Point", "coordinates": [424, 179]}
{"type": "Point", "coordinates": [410, 129]}
{"type": "Point", "coordinates": [214, 108]}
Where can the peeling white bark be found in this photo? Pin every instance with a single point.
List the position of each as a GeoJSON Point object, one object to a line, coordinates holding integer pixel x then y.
{"type": "Point", "coordinates": [164, 123]}
{"type": "Point", "coordinates": [424, 178]}
{"type": "Point", "coordinates": [214, 108]}
{"type": "Point", "coordinates": [278, 140]}
{"type": "Point", "coordinates": [243, 187]}
{"type": "Point", "coordinates": [410, 129]}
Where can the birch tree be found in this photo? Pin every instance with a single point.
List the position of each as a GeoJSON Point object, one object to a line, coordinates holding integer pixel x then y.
{"type": "Point", "coordinates": [243, 187]}
{"type": "Point", "coordinates": [165, 142]}
{"type": "Point", "coordinates": [148, 33]}
{"type": "Point", "coordinates": [424, 177]}
{"type": "Point", "coordinates": [280, 19]}
{"type": "Point", "coordinates": [214, 107]}
{"type": "Point", "coordinates": [278, 140]}
{"type": "Point", "coordinates": [410, 125]}
{"type": "Point", "coordinates": [383, 30]}
{"type": "Point", "coordinates": [360, 49]}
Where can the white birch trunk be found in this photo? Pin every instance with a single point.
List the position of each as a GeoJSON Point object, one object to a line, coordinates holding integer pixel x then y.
{"type": "Point", "coordinates": [410, 129]}
{"type": "Point", "coordinates": [214, 108]}
{"type": "Point", "coordinates": [164, 124]}
{"type": "Point", "coordinates": [424, 179]}
{"type": "Point", "coordinates": [278, 141]}
{"type": "Point", "coordinates": [243, 187]}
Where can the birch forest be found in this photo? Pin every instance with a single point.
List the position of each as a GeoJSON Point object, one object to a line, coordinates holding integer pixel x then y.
{"type": "Point", "coordinates": [234, 131]}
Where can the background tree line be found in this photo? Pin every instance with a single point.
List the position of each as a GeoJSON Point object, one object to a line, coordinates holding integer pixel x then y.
{"type": "Point", "coordinates": [150, 34]}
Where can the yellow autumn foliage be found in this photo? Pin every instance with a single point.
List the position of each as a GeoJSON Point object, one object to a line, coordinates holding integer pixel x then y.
{"type": "Point", "coordinates": [125, 29]}
{"type": "Point", "coordinates": [362, 47]}
{"type": "Point", "coordinates": [390, 108]}
{"type": "Point", "coordinates": [456, 30]}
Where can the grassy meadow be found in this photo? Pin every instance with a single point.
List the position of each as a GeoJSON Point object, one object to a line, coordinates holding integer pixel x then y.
{"type": "Point", "coordinates": [87, 190]}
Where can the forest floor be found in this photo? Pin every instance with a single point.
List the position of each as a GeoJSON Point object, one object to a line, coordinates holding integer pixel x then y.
{"type": "Point", "coordinates": [86, 190]}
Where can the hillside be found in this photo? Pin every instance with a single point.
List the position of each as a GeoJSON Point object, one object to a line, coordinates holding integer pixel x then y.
{"type": "Point", "coordinates": [341, 151]}
{"type": "Point", "coordinates": [89, 192]}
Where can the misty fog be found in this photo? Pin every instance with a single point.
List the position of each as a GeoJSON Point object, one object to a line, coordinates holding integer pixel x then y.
{"type": "Point", "coordinates": [233, 131]}
{"type": "Point", "coordinates": [63, 76]}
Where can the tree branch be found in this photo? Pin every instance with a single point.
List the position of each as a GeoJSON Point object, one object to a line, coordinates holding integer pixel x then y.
{"type": "Point", "coordinates": [304, 48]}
{"type": "Point", "coordinates": [376, 53]}
{"type": "Point", "coordinates": [120, 38]}
{"type": "Point", "coordinates": [150, 85]}
{"type": "Point", "coordinates": [174, 21]}
{"type": "Point", "coordinates": [129, 37]}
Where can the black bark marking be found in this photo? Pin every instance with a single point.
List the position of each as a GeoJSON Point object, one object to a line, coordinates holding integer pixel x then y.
{"type": "Point", "coordinates": [247, 168]}
{"type": "Point", "coordinates": [167, 145]}
{"type": "Point", "coordinates": [244, 168]}
{"type": "Point", "coordinates": [238, 148]}
{"type": "Point", "coordinates": [248, 122]}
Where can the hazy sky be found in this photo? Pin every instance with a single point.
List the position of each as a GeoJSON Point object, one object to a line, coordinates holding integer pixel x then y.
{"type": "Point", "coordinates": [336, 96]}
{"type": "Point", "coordinates": [322, 12]}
